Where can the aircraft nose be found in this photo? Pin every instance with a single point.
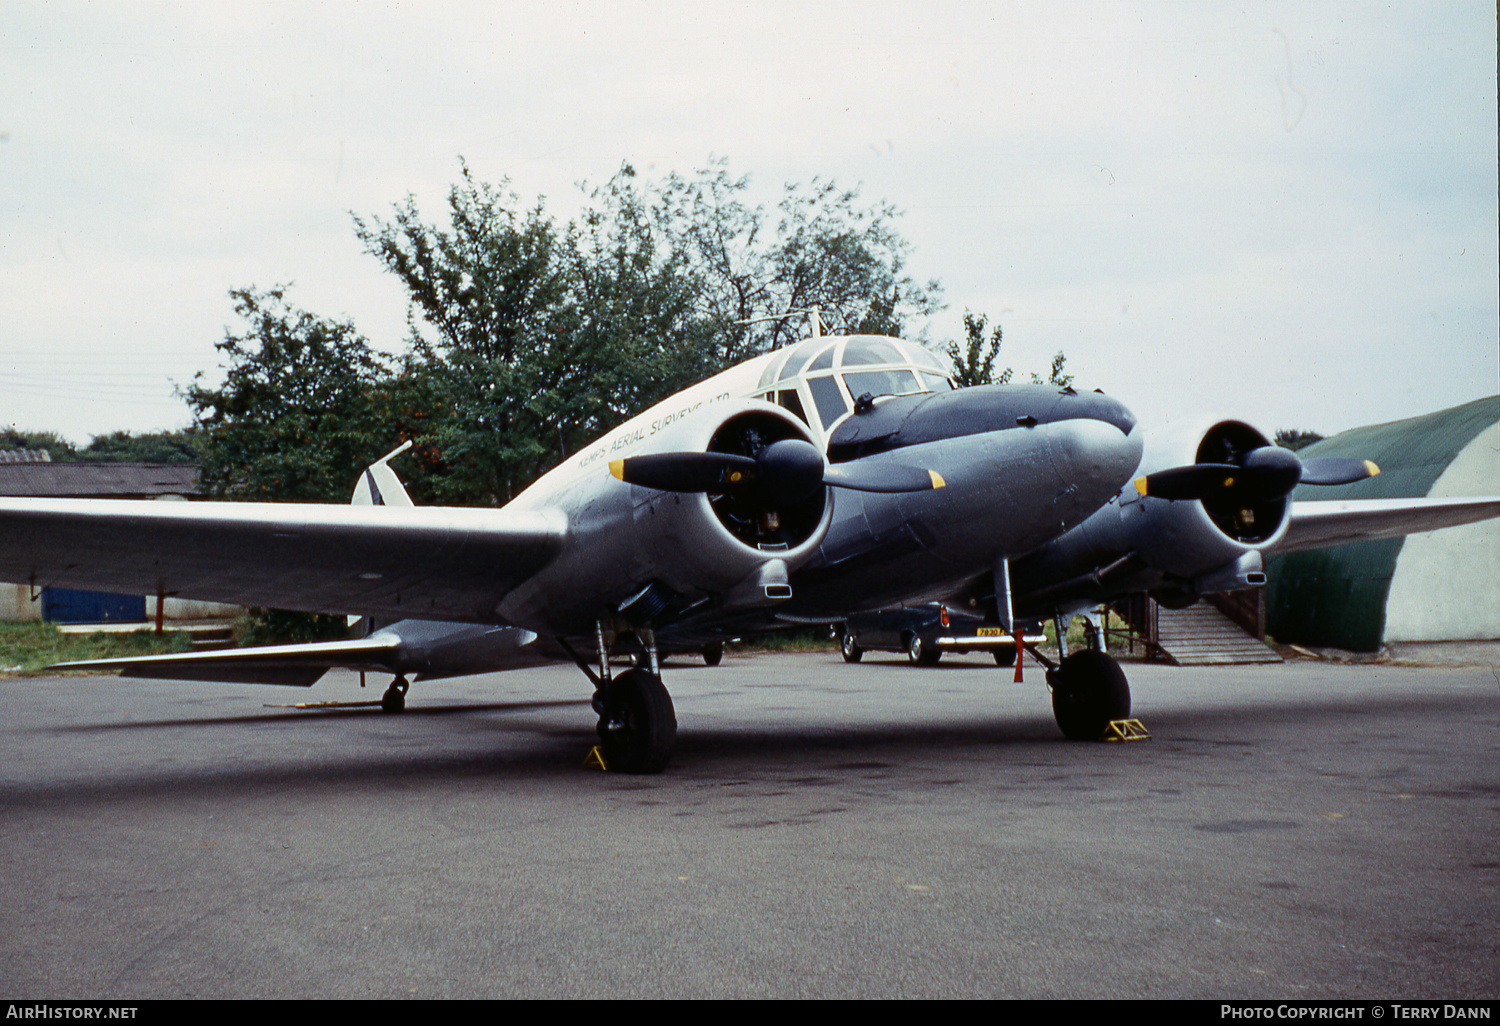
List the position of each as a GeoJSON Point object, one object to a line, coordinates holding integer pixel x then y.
{"type": "Point", "coordinates": [1099, 452]}
{"type": "Point", "coordinates": [1088, 438]}
{"type": "Point", "coordinates": [1094, 406]}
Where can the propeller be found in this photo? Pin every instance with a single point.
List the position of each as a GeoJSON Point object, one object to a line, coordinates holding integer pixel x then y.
{"type": "Point", "coordinates": [783, 472]}
{"type": "Point", "coordinates": [1260, 474]}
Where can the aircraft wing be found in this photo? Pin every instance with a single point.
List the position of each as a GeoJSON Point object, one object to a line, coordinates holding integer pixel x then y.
{"type": "Point", "coordinates": [432, 562]}
{"type": "Point", "coordinates": [1316, 525]}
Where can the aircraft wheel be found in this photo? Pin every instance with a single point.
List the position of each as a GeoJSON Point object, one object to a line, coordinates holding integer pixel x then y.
{"type": "Point", "coordinates": [394, 699]}
{"type": "Point", "coordinates": [1088, 690]}
{"type": "Point", "coordinates": [1005, 656]}
{"type": "Point", "coordinates": [921, 653]}
{"type": "Point", "coordinates": [849, 647]}
{"type": "Point", "coordinates": [713, 654]}
{"type": "Point", "coordinates": [648, 730]}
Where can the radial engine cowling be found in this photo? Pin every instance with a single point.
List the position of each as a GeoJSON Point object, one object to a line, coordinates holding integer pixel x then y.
{"type": "Point", "coordinates": [718, 540]}
{"type": "Point", "coordinates": [1174, 548]}
{"type": "Point", "coordinates": [650, 554]}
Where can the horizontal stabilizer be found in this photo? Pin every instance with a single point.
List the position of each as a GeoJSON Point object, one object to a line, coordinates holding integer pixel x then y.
{"type": "Point", "coordinates": [296, 665]}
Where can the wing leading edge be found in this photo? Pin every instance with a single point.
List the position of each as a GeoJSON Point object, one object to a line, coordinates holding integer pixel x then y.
{"type": "Point", "coordinates": [430, 562]}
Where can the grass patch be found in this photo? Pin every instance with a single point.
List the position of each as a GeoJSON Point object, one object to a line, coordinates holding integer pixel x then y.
{"type": "Point", "coordinates": [801, 639]}
{"type": "Point", "coordinates": [28, 648]}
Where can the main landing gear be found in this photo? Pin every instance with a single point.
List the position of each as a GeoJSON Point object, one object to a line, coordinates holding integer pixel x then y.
{"type": "Point", "coordinates": [1089, 690]}
{"type": "Point", "coordinates": [637, 724]}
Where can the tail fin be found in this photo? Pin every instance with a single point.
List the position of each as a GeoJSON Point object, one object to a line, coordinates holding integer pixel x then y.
{"type": "Point", "coordinates": [379, 485]}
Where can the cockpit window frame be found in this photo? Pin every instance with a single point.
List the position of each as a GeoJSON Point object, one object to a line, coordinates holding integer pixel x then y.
{"type": "Point", "coordinates": [829, 358]}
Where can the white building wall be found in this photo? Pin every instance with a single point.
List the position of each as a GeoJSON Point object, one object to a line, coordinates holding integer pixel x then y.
{"type": "Point", "coordinates": [1446, 586]}
{"type": "Point", "coordinates": [16, 605]}
{"type": "Point", "coordinates": [190, 609]}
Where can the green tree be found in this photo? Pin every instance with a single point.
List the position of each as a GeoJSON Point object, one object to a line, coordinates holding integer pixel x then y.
{"type": "Point", "coordinates": [527, 340]}
{"type": "Point", "coordinates": [822, 248]}
{"type": "Point", "coordinates": [974, 361]}
{"type": "Point", "coordinates": [299, 414]}
{"type": "Point", "coordinates": [151, 447]}
{"type": "Point", "coordinates": [58, 448]}
{"type": "Point", "coordinates": [1295, 438]}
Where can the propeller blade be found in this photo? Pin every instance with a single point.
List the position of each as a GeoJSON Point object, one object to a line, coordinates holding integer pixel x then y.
{"type": "Point", "coordinates": [785, 472]}
{"type": "Point", "coordinates": [686, 471]}
{"type": "Point", "coordinates": [1336, 470]}
{"type": "Point", "coordinates": [1267, 472]}
{"type": "Point", "coordinates": [1194, 481]}
{"type": "Point", "coordinates": [882, 478]}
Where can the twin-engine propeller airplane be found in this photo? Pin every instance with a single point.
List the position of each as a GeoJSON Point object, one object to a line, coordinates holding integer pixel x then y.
{"type": "Point", "coordinates": [836, 475]}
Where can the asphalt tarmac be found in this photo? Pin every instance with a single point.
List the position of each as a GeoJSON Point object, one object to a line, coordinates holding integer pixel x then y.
{"type": "Point", "coordinates": [824, 830]}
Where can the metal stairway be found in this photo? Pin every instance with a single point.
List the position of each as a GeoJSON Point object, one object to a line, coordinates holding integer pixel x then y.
{"type": "Point", "coordinates": [1200, 635]}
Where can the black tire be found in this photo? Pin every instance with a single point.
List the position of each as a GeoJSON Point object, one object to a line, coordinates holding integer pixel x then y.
{"type": "Point", "coordinates": [713, 654]}
{"type": "Point", "coordinates": [1088, 690]}
{"type": "Point", "coordinates": [922, 652]}
{"type": "Point", "coordinates": [849, 648]}
{"type": "Point", "coordinates": [644, 743]}
{"type": "Point", "coordinates": [1005, 656]}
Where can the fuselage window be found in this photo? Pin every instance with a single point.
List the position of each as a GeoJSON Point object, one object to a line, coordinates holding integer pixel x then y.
{"type": "Point", "coordinates": [772, 373]}
{"type": "Point", "coordinates": [828, 399]}
{"type": "Point", "coordinates": [788, 400]}
{"type": "Point", "coordinates": [882, 382]}
{"type": "Point", "coordinates": [872, 351]}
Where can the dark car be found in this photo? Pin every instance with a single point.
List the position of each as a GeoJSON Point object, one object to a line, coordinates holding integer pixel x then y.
{"type": "Point", "coordinates": [925, 632]}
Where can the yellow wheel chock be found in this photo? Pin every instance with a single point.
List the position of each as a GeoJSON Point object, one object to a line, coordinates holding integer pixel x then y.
{"type": "Point", "coordinates": [1126, 730]}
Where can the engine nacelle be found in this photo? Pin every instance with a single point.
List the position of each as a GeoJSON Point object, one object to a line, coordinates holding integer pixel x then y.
{"type": "Point", "coordinates": [647, 556]}
{"type": "Point", "coordinates": [1176, 549]}
{"type": "Point", "coordinates": [697, 541]}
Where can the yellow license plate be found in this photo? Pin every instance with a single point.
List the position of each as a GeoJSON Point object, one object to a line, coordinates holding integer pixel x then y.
{"type": "Point", "coordinates": [993, 632]}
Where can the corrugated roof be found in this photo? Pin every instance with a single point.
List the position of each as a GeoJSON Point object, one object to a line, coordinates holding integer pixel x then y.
{"type": "Point", "coordinates": [1336, 597]}
{"type": "Point", "coordinates": [98, 480]}
{"type": "Point", "coordinates": [1412, 454]}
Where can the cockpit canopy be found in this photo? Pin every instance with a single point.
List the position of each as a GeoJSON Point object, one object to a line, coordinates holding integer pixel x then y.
{"type": "Point", "coordinates": [819, 379]}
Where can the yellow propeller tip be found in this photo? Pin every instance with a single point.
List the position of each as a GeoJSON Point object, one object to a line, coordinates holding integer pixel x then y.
{"type": "Point", "coordinates": [1140, 485]}
{"type": "Point", "coordinates": [617, 468]}
{"type": "Point", "coordinates": [937, 479]}
{"type": "Point", "coordinates": [1372, 468]}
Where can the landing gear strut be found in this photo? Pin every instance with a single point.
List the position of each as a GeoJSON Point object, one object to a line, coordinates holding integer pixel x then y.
{"type": "Point", "coordinates": [394, 699]}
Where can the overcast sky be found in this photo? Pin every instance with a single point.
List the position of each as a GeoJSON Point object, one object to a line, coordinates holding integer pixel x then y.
{"type": "Point", "coordinates": [1278, 211]}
